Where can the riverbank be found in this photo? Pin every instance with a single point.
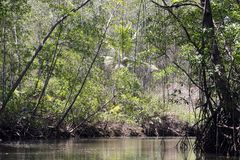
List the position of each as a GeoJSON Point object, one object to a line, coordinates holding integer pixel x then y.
{"type": "Point", "coordinates": [168, 125]}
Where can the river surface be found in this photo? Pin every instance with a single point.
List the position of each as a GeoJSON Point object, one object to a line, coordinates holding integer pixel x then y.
{"type": "Point", "coordinates": [100, 149]}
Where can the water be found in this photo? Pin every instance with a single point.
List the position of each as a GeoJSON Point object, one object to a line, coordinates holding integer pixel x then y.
{"type": "Point", "coordinates": [99, 149]}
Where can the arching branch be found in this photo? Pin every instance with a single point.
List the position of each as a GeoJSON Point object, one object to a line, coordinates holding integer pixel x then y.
{"type": "Point", "coordinates": [37, 51]}
{"type": "Point", "coordinates": [168, 8]}
{"type": "Point", "coordinates": [179, 4]}
{"type": "Point", "coordinates": [86, 76]}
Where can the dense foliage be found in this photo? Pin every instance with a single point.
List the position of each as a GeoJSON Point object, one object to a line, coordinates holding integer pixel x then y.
{"type": "Point", "coordinates": [67, 63]}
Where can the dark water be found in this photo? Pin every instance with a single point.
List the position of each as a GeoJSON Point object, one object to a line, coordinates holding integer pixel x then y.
{"type": "Point", "coordinates": [99, 149]}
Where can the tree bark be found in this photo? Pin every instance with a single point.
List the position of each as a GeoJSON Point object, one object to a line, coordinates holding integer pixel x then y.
{"type": "Point", "coordinates": [4, 56]}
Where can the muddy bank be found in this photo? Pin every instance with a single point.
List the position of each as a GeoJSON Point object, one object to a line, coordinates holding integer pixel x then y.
{"type": "Point", "coordinates": [109, 129]}
{"type": "Point", "coordinates": [167, 125]}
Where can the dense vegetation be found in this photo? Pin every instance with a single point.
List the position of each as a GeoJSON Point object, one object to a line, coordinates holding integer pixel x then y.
{"type": "Point", "coordinates": [65, 64]}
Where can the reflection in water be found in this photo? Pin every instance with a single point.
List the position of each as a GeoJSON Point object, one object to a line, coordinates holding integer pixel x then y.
{"type": "Point", "coordinates": [184, 147]}
{"type": "Point", "coordinates": [99, 149]}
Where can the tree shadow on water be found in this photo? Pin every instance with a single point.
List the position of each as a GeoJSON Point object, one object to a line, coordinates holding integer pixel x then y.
{"type": "Point", "coordinates": [185, 148]}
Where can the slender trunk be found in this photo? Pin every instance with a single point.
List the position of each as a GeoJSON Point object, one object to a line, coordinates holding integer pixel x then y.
{"type": "Point", "coordinates": [50, 71]}
{"type": "Point", "coordinates": [12, 69]}
{"type": "Point", "coordinates": [93, 114]}
{"type": "Point", "coordinates": [19, 66]}
{"type": "Point", "coordinates": [49, 75]}
{"type": "Point", "coordinates": [37, 51]}
{"type": "Point", "coordinates": [86, 77]}
{"type": "Point", "coordinates": [13, 66]}
{"type": "Point", "coordinates": [119, 58]}
{"type": "Point", "coordinates": [4, 56]}
{"type": "Point", "coordinates": [71, 87]}
{"type": "Point", "coordinates": [136, 39]}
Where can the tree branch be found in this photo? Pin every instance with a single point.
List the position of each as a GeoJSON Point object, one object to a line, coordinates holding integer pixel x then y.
{"type": "Point", "coordinates": [179, 4]}
{"type": "Point", "coordinates": [166, 7]}
{"type": "Point", "coordinates": [190, 78]}
{"type": "Point", "coordinates": [23, 73]}
{"type": "Point", "coordinates": [86, 76]}
{"type": "Point", "coordinates": [93, 114]}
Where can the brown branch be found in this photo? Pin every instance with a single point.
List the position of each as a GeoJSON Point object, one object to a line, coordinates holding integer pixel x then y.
{"type": "Point", "coordinates": [179, 4]}
{"type": "Point", "coordinates": [228, 127]}
{"type": "Point", "coordinates": [86, 76]}
{"type": "Point", "coordinates": [93, 114]}
{"type": "Point", "coordinates": [166, 7]}
{"type": "Point", "coordinates": [190, 78]}
{"type": "Point", "coordinates": [37, 51]}
{"type": "Point", "coordinates": [4, 61]}
{"type": "Point", "coordinates": [51, 69]}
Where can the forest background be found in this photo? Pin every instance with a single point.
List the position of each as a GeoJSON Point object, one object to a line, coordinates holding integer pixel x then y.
{"type": "Point", "coordinates": [65, 64]}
